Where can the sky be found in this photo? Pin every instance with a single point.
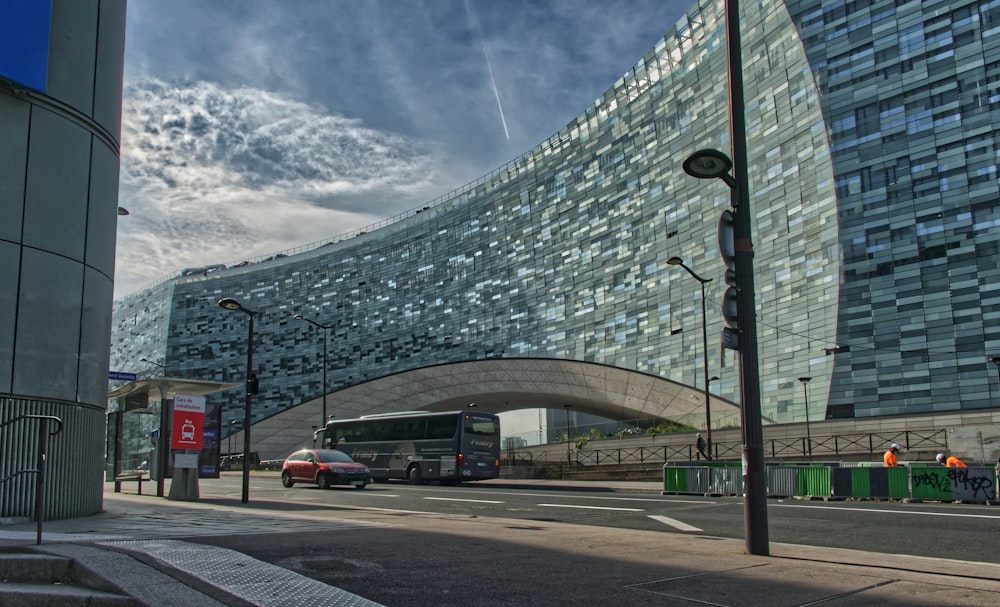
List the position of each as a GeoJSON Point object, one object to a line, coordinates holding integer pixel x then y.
{"type": "Point", "coordinates": [251, 127]}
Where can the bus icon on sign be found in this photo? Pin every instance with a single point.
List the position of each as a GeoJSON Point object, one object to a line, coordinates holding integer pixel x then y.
{"type": "Point", "coordinates": [187, 430]}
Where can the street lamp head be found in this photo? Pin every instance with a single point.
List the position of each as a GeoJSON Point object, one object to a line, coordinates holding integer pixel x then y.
{"type": "Point", "coordinates": [153, 362]}
{"type": "Point", "coordinates": [713, 378]}
{"type": "Point", "coordinates": [122, 212]}
{"type": "Point", "coordinates": [677, 261]}
{"type": "Point", "coordinates": [995, 360]}
{"type": "Point", "coordinates": [231, 304]}
{"type": "Point", "coordinates": [299, 317]}
{"type": "Point", "coordinates": [707, 164]}
{"type": "Point", "coordinates": [804, 380]}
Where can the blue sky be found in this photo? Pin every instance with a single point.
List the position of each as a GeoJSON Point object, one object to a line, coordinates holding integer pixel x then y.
{"type": "Point", "coordinates": [255, 126]}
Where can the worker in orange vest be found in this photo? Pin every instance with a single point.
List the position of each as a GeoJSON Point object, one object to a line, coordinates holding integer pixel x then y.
{"type": "Point", "coordinates": [950, 461]}
{"type": "Point", "coordinates": [890, 459]}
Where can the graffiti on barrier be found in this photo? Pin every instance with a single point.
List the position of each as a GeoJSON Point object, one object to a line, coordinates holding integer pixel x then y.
{"type": "Point", "coordinates": [933, 480]}
{"type": "Point", "coordinates": [970, 485]}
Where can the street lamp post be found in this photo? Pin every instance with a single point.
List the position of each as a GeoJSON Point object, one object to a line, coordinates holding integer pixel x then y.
{"type": "Point", "coordinates": [568, 451]}
{"type": "Point", "coordinates": [230, 447]}
{"type": "Point", "coordinates": [713, 164]}
{"type": "Point", "coordinates": [326, 338]}
{"type": "Point", "coordinates": [677, 261]}
{"type": "Point", "coordinates": [231, 304]}
{"type": "Point", "coordinates": [805, 392]}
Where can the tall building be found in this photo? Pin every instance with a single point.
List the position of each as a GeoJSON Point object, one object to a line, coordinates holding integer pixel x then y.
{"type": "Point", "coordinates": [873, 154]}
{"type": "Point", "coordinates": [60, 116]}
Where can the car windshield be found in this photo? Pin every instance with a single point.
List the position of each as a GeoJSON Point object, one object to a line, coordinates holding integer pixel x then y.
{"type": "Point", "coordinates": [333, 456]}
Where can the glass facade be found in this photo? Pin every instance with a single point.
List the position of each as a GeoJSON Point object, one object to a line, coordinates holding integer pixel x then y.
{"type": "Point", "coordinates": [873, 166]}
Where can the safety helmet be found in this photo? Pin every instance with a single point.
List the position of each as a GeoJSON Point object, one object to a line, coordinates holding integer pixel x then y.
{"type": "Point", "coordinates": [940, 457]}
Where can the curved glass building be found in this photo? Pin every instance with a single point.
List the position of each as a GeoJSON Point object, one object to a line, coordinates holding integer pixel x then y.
{"type": "Point", "coordinates": [873, 153]}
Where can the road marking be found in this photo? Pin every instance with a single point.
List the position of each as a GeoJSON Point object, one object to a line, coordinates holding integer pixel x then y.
{"type": "Point", "coordinates": [666, 520]}
{"type": "Point", "coordinates": [592, 507]}
{"type": "Point", "coordinates": [585, 497]}
{"type": "Point", "coordinates": [889, 511]}
{"type": "Point", "coordinates": [453, 499]}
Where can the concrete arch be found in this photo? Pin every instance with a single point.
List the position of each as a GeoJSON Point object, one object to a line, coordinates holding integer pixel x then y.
{"type": "Point", "coordinates": [498, 385]}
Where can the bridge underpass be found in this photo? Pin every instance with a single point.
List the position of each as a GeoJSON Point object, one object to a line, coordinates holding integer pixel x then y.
{"type": "Point", "coordinates": [496, 386]}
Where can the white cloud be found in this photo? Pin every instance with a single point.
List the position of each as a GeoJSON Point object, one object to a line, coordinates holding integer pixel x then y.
{"type": "Point", "coordinates": [214, 175]}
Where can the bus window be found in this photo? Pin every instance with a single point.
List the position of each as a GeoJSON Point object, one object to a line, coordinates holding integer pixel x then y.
{"type": "Point", "coordinates": [486, 427]}
{"type": "Point", "coordinates": [441, 427]}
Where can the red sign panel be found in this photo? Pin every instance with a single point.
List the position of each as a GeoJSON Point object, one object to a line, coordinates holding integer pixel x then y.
{"type": "Point", "coordinates": [189, 422]}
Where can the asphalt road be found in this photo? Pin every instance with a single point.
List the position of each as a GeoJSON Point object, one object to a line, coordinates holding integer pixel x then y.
{"type": "Point", "coordinates": [941, 530]}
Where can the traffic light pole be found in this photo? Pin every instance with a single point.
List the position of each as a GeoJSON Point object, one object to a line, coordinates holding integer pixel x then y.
{"type": "Point", "coordinates": [755, 487]}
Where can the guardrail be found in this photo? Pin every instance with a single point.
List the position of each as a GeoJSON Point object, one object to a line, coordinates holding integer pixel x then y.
{"type": "Point", "coordinates": [976, 484]}
{"type": "Point", "coordinates": [39, 469]}
{"type": "Point", "coordinates": [871, 444]}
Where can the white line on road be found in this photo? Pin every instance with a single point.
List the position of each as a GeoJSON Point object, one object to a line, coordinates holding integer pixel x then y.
{"type": "Point", "coordinates": [588, 497]}
{"type": "Point", "coordinates": [592, 507]}
{"type": "Point", "coordinates": [453, 499]}
{"type": "Point", "coordinates": [666, 520]}
{"type": "Point", "coordinates": [888, 511]}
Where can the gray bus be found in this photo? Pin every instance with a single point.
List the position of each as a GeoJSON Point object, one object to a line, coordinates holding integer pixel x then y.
{"type": "Point", "coordinates": [421, 446]}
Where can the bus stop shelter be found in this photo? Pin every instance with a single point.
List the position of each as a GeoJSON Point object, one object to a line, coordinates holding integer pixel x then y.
{"type": "Point", "coordinates": [140, 427]}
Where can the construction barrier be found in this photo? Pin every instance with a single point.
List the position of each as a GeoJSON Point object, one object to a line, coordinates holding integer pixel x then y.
{"type": "Point", "coordinates": [978, 484]}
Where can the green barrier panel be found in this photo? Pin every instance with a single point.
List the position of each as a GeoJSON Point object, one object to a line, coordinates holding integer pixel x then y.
{"type": "Point", "coordinates": [899, 482]}
{"type": "Point", "coordinates": [861, 482]}
{"type": "Point", "coordinates": [931, 483]}
{"type": "Point", "coordinates": [814, 481]}
{"type": "Point", "coordinates": [675, 480]}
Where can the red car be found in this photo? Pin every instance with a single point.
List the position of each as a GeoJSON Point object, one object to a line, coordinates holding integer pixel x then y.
{"type": "Point", "coordinates": [324, 467]}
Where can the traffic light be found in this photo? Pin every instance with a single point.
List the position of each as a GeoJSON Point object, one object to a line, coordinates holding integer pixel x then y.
{"type": "Point", "coordinates": [727, 247]}
{"type": "Point", "coordinates": [253, 384]}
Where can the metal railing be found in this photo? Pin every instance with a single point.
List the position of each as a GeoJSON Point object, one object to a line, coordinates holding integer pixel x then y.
{"type": "Point", "coordinates": [793, 448]}
{"type": "Point", "coordinates": [39, 469]}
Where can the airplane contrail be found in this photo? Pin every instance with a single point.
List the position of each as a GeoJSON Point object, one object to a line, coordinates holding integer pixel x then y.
{"type": "Point", "coordinates": [489, 67]}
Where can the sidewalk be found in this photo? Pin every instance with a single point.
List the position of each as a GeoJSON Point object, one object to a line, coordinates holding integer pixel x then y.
{"type": "Point", "coordinates": [267, 553]}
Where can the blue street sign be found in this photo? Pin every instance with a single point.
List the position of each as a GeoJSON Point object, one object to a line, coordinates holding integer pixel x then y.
{"type": "Point", "coordinates": [121, 375]}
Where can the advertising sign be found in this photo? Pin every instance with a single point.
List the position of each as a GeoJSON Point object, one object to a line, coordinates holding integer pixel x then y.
{"type": "Point", "coordinates": [24, 42]}
{"type": "Point", "coordinates": [189, 422]}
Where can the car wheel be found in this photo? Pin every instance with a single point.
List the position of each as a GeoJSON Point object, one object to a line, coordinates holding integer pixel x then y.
{"type": "Point", "coordinates": [286, 479]}
{"type": "Point", "coordinates": [323, 481]}
{"type": "Point", "coordinates": [414, 475]}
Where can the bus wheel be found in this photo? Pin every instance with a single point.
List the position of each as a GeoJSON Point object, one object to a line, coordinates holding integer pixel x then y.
{"type": "Point", "coordinates": [414, 474]}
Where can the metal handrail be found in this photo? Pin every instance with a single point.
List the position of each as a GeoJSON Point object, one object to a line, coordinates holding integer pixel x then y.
{"type": "Point", "coordinates": [868, 443]}
{"type": "Point", "coordinates": [39, 470]}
